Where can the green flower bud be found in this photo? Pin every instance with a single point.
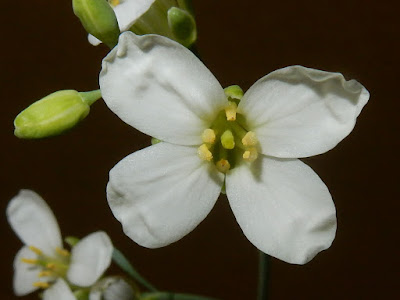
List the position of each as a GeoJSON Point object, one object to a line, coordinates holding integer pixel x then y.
{"type": "Point", "coordinates": [183, 26]}
{"type": "Point", "coordinates": [54, 114]}
{"type": "Point", "coordinates": [98, 18]}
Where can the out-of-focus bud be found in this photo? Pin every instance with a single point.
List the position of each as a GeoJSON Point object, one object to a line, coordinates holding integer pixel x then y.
{"type": "Point", "coordinates": [98, 18]}
{"type": "Point", "coordinates": [114, 287]}
{"type": "Point", "coordinates": [183, 26]}
{"type": "Point", "coordinates": [54, 114]}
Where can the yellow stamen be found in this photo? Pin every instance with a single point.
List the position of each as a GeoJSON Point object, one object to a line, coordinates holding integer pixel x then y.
{"type": "Point", "coordinates": [36, 250]}
{"type": "Point", "coordinates": [41, 284]}
{"type": "Point", "coordinates": [250, 154]}
{"type": "Point", "coordinates": [29, 261]}
{"type": "Point", "coordinates": [45, 274]}
{"type": "Point", "coordinates": [223, 165]}
{"type": "Point", "coordinates": [62, 251]}
{"type": "Point", "coordinates": [250, 139]}
{"type": "Point", "coordinates": [230, 111]}
{"type": "Point", "coordinates": [114, 3]}
{"type": "Point", "coordinates": [50, 266]}
{"type": "Point", "coordinates": [204, 153]}
{"type": "Point", "coordinates": [208, 136]}
{"type": "Point", "coordinates": [227, 140]}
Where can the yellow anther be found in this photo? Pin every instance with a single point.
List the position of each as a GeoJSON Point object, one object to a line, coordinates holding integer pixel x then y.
{"type": "Point", "coordinates": [36, 250]}
{"type": "Point", "coordinates": [223, 165]}
{"type": "Point", "coordinates": [230, 111]}
{"type": "Point", "coordinates": [29, 261]}
{"type": "Point", "coordinates": [208, 136]}
{"type": "Point", "coordinates": [41, 284]}
{"type": "Point", "coordinates": [250, 154]}
{"type": "Point", "coordinates": [50, 266]}
{"type": "Point", "coordinates": [45, 274]}
{"type": "Point", "coordinates": [114, 3]}
{"type": "Point", "coordinates": [204, 153]}
{"type": "Point", "coordinates": [227, 140]}
{"type": "Point", "coordinates": [250, 139]}
{"type": "Point", "coordinates": [62, 251]}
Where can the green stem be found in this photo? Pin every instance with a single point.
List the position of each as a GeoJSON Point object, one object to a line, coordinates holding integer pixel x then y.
{"type": "Point", "coordinates": [90, 97]}
{"type": "Point", "coordinates": [263, 275]}
{"type": "Point", "coordinates": [125, 265]}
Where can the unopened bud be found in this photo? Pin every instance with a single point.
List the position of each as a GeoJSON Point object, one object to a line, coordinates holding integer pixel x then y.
{"type": "Point", "coordinates": [54, 114]}
{"type": "Point", "coordinates": [183, 26]}
{"type": "Point", "coordinates": [98, 18]}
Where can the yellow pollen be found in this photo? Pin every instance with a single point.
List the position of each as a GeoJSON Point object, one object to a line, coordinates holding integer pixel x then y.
{"type": "Point", "coordinates": [208, 136]}
{"type": "Point", "coordinates": [114, 3]}
{"type": "Point", "coordinates": [29, 261]}
{"type": "Point", "coordinates": [250, 139]}
{"type": "Point", "coordinates": [250, 154]}
{"type": "Point", "coordinates": [45, 274]}
{"type": "Point", "coordinates": [223, 165]}
{"type": "Point", "coordinates": [50, 266]}
{"type": "Point", "coordinates": [230, 111]}
{"type": "Point", "coordinates": [36, 250]}
{"type": "Point", "coordinates": [41, 284]}
{"type": "Point", "coordinates": [204, 153]}
{"type": "Point", "coordinates": [62, 251]}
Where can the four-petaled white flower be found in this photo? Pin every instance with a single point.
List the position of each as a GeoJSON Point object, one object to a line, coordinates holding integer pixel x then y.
{"type": "Point", "coordinates": [163, 192]}
{"type": "Point", "coordinates": [127, 13]}
{"type": "Point", "coordinates": [43, 261]}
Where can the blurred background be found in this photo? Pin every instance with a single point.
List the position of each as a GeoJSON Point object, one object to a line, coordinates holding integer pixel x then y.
{"type": "Point", "coordinates": [45, 49]}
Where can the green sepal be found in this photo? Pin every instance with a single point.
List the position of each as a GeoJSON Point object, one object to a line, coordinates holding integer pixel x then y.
{"type": "Point", "coordinates": [82, 294]}
{"type": "Point", "coordinates": [71, 240]}
{"type": "Point", "coordinates": [53, 114]}
{"type": "Point", "coordinates": [98, 18]}
{"type": "Point", "coordinates": [234, 92]}
{"type": "Point", "coordinates": [155, 141]}
{"type": "Point", "coordinates": [183, 26]}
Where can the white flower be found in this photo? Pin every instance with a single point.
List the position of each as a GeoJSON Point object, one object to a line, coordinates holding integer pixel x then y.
{"type": "Point", "coordinates": [127, 13]}
{"type": "Point", "coordinates": [43, 260]}
{"type": "Point", "coordinates": [163, 192]}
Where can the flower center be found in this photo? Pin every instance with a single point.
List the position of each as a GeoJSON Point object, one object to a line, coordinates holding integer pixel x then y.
{"type": "Point", "coordinates": [228, 141]}
{"type": "Point", "coordinates": [51, 267]}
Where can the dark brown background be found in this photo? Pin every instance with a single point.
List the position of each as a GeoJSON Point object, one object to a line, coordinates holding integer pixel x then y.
{"type": "Point", "coordinates": [44, 49]}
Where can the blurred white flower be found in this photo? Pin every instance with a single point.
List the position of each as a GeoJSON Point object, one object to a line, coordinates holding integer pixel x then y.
{"type": "Point", "coordinates": [163, 192]}
{"type": "Point", "coordinates": [43, 260]}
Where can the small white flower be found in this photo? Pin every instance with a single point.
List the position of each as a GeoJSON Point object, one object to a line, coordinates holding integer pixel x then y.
{"type": "Point", "coordinates": [42, 261]}
{"type": "Point", "coordinates": [127, 13]}
{"type": "Point", "coordinates": [163, 192]}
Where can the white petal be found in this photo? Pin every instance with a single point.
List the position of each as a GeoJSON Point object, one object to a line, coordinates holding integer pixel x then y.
{"type": "Point", "coordinates": [128, 11]}
{"type": "Point", "coordinates": [90, 258]}
{"type": "Point", "coordinates": [162, 192]}
{"type": "Point", "coordinates": [34, 222]}
{"type": "Point", "coordinates": [160, 87]}
{"type": "Point", "coordinates": [59, 291]}
{"type": "Point", "coordinates": [300, 112]}
{"type": "Point", "coordinates": [93, 40]}
{"type": "Point", "coordinates": [24, 274]}
{"type": "Point", "coordinates": [283, 208]}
